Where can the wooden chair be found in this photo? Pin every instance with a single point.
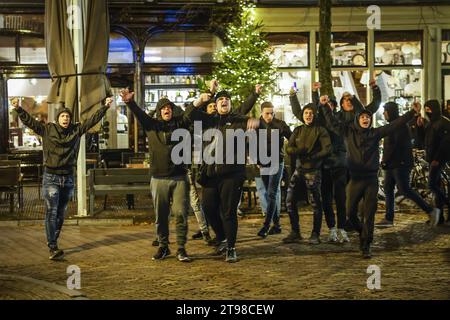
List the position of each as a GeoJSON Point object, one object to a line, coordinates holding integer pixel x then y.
{"type": "Point", "coordinates": [11, 182]}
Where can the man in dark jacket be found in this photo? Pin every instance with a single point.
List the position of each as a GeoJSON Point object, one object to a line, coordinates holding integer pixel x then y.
{"type": "Point", "coordinates": [169, 184]}
{"type": "Point", "coordinates": [363, 159]}
{"type": "Point", "coordinates": [397, 162]}
{"type": "Point", "coordinates": [311, 144]}
{"type": "Point", "coordinates": [222, 182]}
{"type": "Point", "coordinates": [437, 146]}
{"type": "Point", "coordinates": [60, 144]}
{"type": "Point", "coordinates": [272, 181]}
{"type": "Point", "coordinates": [334, 175]}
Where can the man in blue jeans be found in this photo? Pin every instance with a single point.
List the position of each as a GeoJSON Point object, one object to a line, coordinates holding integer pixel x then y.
{"type": "Point", "coordinates": [272, 181]}
{"type": "Point", "coordinates": [60, 144]}
{"type": "Point", "coordinates": [397, 163]}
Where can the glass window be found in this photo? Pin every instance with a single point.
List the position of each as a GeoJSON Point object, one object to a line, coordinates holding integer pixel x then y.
{"type": "Point", "coordinates": [8, 48]}
{"type": "Point", "coordinates": [401, 86]}
{"type": "Point", "coordinates": [355, 82]}
{"type": "Point", "coordinates": [280, 99]}
{"type": "Point", "coordinates": [398, 48]}
{"type": "Point", "coordinates": [32, 96]}
{"type": "Point", "coordinates": [289, 49]}
{"type": "Point", "coordinates": [120, 49]}
{"type": "Point", "coordinates": [32, 50]}
{"type": "Point", "coordinates": [347, 48]}
{"type": "Point", "coordinates": [181, 47]}
{"type": "Point", "coordinates": [445, 47]}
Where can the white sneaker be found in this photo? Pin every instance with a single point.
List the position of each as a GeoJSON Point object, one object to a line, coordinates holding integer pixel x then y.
{"type": "Point", "coordinates": [333, 237]}
{"type": "Point", "coordinates": [434, 217]}
{"type": "Point", "coordinates": [343, 237]}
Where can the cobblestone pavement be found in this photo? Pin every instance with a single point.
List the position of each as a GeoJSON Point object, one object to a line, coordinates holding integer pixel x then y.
{"type": "Point", "coordinates": [115, 263]}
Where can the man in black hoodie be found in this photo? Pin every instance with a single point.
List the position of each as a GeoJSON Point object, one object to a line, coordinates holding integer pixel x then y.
{"type": "Point", "coordinates": [60, 144]}
{"type": "Point", "coordinates": [437, 146]}
{"type": "Point", "coordinates": [363, 161]}
{"type": "Point", "coordinates": [222, 182]}
{"type": "Point", "coordinates": [397, 162]}
{"type": "Point", "coordinates": [169, 185]}
{"type": "Point", "coordinates": [311, 144]}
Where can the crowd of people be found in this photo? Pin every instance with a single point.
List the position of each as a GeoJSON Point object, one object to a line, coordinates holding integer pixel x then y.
{"type": "Point", "coordinates": [336, 151]}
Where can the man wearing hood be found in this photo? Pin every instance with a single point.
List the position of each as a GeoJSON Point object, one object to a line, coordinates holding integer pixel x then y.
{"type": "Point", "coordinates": [222, 182]}
{"type": "Point", "coordinates": [60, 145]}
{"type": "Point", "coordinates": [169, 184]}
{"type": "Point", "coordinates": [334, 171]}
{"type": "Point", "coordinates": [311, 144]}
{"type": "Point", "coordinates": [363, 159]}
{"type": "Point", "coordinates": [397, 162]}
{"type": "Point", "coordinates": [437, 146]}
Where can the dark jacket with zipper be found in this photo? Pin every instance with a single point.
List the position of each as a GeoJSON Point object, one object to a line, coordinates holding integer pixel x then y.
{"type": "Point", "coordinates": [311, 144]}
{"type": "Point", "coordinates": [60, 145]}
{"type": "Point", "coordinates": [283, 132]}
{"type": "Point", "coordinates": [436, 134]}
{"type": "Point", "coordinates": [337, 157]}
{"type": "Point", "coordinates": [159, 134]}
{"type": "Point", "coordinates": [363, 152]}
{"type": "Point", "coordinates": [222, 123]}
{"type": "Point", "coordinates": [397, 146]}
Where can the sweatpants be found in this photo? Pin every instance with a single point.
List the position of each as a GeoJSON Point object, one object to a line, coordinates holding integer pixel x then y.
{"type": "Point", "coordinates": [365, 188]}
{"type": "Point", "coordinates": [171, 195]}
{"type": "Point", "coordinates": [220, 200]}
{"type": "Point", "coordinates": [334, 181]}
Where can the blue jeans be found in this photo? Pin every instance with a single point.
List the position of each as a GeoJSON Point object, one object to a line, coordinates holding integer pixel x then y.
{"type": "Point", "coordinates": [262, 195]}
{"type": "Point", "coordinates": [273, 196]}
{"type": "Point", "coordinates": [401, 178]}
{"type": "Point", "coordinates": [56, 191]}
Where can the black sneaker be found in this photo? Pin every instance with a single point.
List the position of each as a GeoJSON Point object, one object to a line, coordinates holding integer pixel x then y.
{"type": "Point", "coordinates": [275, 229]}
{"type": "Point", "coordinates": [366, 253]}
{"type": "Point", "coordinates": [206, 237]}
{"type": "Point", "coordinates": [314, 239]}
{"type": "Point", "coordinates": [56, 254]}
{"type": "Point", "coordinates": [231, 255]}
{"type": "Point", "coordinates": [155, 243]}
{"type": "Point", "coordinates": [198, 235]}
{"type": "Point", "coordinates": [182, 255]}
{"type": "Point", "coordinates": [293, 237]}
{"type": "Point", "coordinates": [221, 248]}
{"type": "Point", "coordinates": [263, 232]}
{"type": "Point", "coordinates": [161, 253]}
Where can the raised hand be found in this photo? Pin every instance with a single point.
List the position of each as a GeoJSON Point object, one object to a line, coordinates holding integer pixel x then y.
{"type": "Point", "coordinates": [204, 97]}
{"type": "Point", "coordinates": [258, 88]}
{"type": "Point", "coordinates": [416, 106]}
{"type": "Point", "coordinates": [109, 101]}
{"type": "Point", "coordinates": [316, 86]}
{"type": "Point", "coordinates": [213, 85]}
{"type": "Point", "coordinates": [372, 83]}
{"type": "Point", "coordinates": [292, 92]}
{"type": "Point", "coordinates": [126, 95]}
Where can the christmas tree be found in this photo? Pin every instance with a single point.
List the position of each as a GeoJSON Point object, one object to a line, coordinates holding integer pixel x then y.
{"type": "Point", "coordinates": [244, 60]}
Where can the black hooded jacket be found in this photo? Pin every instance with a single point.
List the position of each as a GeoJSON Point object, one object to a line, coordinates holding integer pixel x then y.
{"type": "Point", "coordinates": [283, 132]}
{"type": "Point", "coordinates": [349, 116]}
{"type": "Point", "coordinates": [363, 154]}
{"type": "Point", "coordinates": [310, 143]}
{"type": "Point", "coordinates": [159, 134]}
{"type": "Point", "coordinates": [60, 145]}
{"type": "Point", "coordinates": [437, 134]}
{"type": "Point", "coordinates": [397, 147]}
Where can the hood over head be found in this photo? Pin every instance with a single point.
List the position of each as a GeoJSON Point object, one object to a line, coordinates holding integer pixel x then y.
{"type": "Point", "coordinates": [392, 109]}
{"type": "Point", "coordinates": [436, 111]}
{"type": "Point", "coordinates": [364, 111]}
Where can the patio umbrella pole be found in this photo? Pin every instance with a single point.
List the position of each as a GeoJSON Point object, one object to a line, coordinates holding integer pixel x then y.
{"type": "Point", "coordinates": [78, 47]}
